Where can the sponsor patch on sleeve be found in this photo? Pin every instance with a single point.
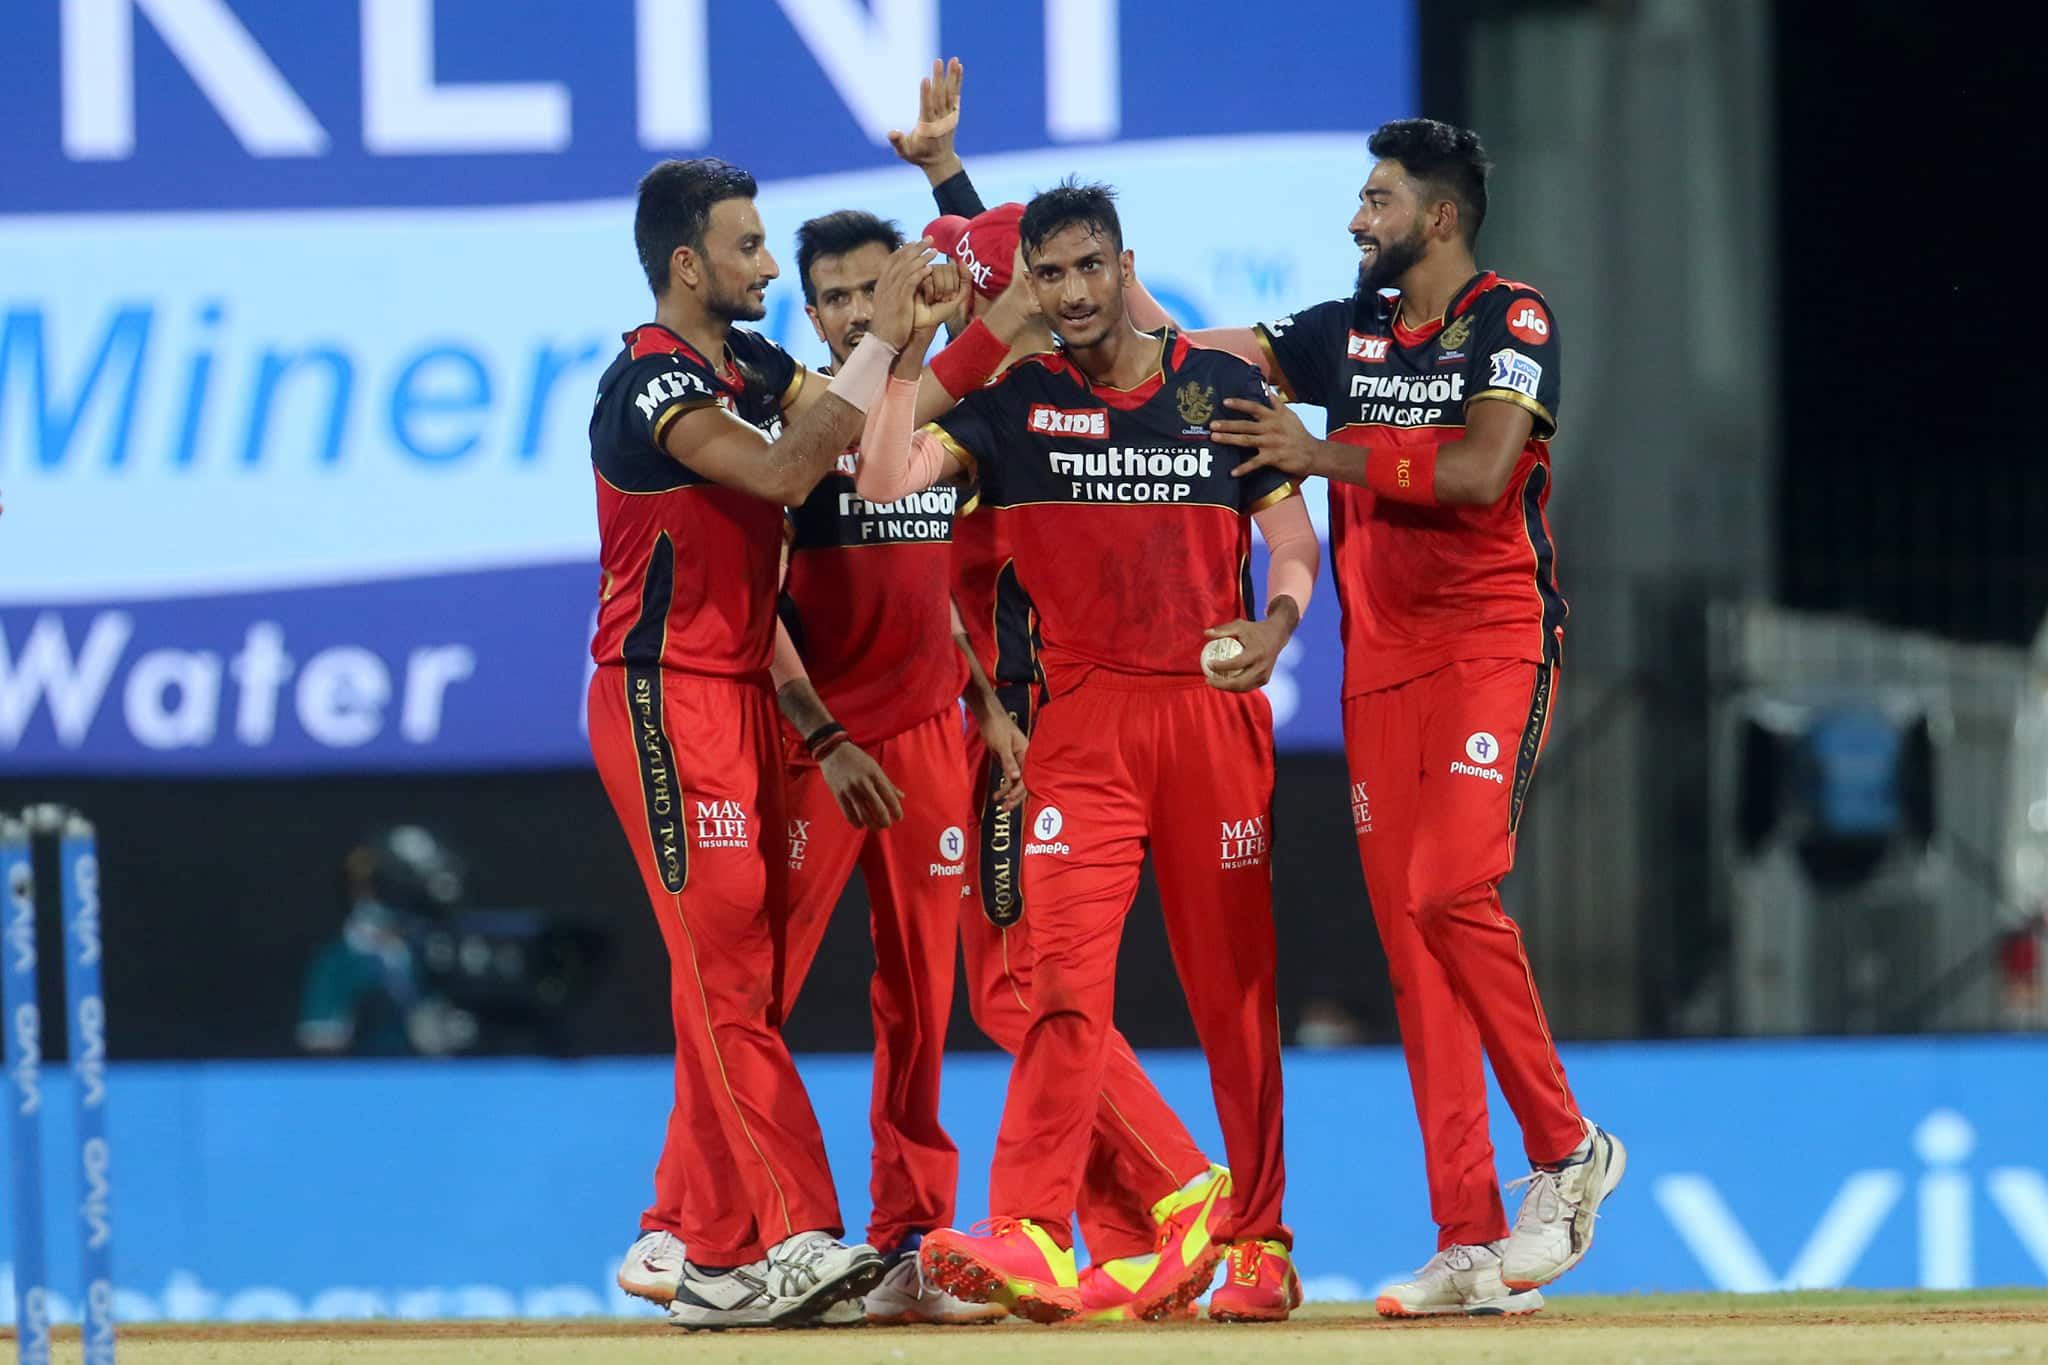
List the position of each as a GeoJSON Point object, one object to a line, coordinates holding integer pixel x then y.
{"type": "Point", "coordinates": [1528, 321]}
{"type": "Point", "coordinates": [1513, 370]}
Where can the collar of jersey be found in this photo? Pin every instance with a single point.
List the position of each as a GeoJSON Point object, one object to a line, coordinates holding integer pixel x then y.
{"type": "Point", "coordinates": [1138, 394]}
{"type": "Point", "coordinates": [724, 373]}
{"type": "Point", "coordinates": [1405, 336]}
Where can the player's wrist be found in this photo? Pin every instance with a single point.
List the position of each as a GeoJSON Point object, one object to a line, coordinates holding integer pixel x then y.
{"type": "Point", "coordinates": [942, 166]}
{"type": "Point", "coordinates": [1283, 614]}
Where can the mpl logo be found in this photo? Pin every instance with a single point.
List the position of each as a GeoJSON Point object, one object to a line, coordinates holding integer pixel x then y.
{"type": "Point", "coordinates": [1091, 423]}
{"type": "Point", "coordinates": [1371, 350]}
{"type": "Point", "coordinates": [1862, 1205]}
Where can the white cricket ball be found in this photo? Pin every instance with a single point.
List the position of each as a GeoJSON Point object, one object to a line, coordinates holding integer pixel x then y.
{"type": "Point", "coordinates": [1217, 650]}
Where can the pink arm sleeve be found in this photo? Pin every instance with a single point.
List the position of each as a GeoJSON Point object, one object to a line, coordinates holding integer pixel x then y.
{"type": "Point", "coordinates": [1292, 551]}
{"type": "Point", "coordinates": [786, 667]}
{"type": "Point", "coordinates": [895, 460]}
{"type": "Point", "coordinates": [1148, 314]}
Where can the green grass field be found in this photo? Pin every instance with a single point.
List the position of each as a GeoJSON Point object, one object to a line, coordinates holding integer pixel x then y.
{"type": "Point", "coordinates": [1987, 1325]}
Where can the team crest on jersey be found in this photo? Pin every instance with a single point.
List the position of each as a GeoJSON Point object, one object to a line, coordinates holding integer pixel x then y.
{"type": "Point", "coordinates": [1456, 335]}
{"type": "Point", "coordinates": [1197, 403]}
{"type": "Point", "coordinates": [1372, 350]}
{"type": "Point", "coordinates": [1047, 420]}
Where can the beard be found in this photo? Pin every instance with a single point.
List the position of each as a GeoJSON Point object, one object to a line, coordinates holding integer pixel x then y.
{"type": "Point", "coordinates": [1390, 262]}
{"type": "Point", "coordinates": [739, 305]}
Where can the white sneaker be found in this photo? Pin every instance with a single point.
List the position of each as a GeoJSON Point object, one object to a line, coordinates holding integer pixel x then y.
{"type": "Point", "coordinates": [905, 1297]}
{"type": "Point", "coordinates": [1555, 1225]}
{"type": "Point", "coordinates": [712, 1301]}
{"type": "Point", "coordinates": [1459, 1279]}
{"type": "Point", "coordinates": [653, 1267]}
{"type": "Point", "coordinates": [812, 1271]}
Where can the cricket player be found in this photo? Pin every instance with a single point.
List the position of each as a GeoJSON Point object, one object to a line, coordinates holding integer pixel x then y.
{"type": "Point", "coordinates": [870, 682]}
{"type": "Point", "coordinates": [1147, 1185]}
{"type": "Point", "coordinates": [702, 432]}
{"type": "Point", "coordinates": [1132, 541]}
{"type": "Point", "coordinates": [1441, 382]}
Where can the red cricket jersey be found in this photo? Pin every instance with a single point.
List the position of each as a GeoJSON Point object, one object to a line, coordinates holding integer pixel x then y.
{"type": "Point", "coordinates": [1001, 623]}
{"type": "Point", "coordinates": [1121, 520]}
{"type": "Point", "coordinates": [689, 567]}
{"type": "Point", "coordinates": [865, 603]}
{"type": "Point", "coordinates": [1422, 587]}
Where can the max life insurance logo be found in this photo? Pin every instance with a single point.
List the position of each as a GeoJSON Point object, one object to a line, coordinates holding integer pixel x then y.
{"type": "Point", "coordinates": [1941, 1219]}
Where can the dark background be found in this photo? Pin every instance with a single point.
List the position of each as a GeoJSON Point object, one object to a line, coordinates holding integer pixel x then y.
{"type": "Point", "coordinates": [1910, 488]}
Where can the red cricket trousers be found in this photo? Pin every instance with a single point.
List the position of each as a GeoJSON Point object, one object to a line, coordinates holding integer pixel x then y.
{"type": "Point", "coordinates": [1118, 765]}
{"type": "Point", "coordinates": [918, 879]}
{"type": "Point", "coordinates": [1139, 1151]}
{"type": "Point", "coordinates": [1440, 766]}
{"type": "Point", "coordinates": [693, 767]}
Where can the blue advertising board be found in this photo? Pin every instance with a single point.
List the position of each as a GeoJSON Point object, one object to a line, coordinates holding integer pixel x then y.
{"type": "Point", "coordinates": [301, 309]}
{"type": "Point", "coordinates": [498, 1189]}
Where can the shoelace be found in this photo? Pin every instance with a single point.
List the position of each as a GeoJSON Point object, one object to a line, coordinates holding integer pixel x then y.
{"type": "Point", "coordinates": [1246, 1260]}
{"type": "Point", "coordinates": [799, 1266]}
{"type": "Point", "coordinates": [1544, 1195]}
{"type": "Point", "coordinates": [995, 1227]}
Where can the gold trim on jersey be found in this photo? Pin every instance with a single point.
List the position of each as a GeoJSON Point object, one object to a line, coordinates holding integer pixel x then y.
{"type": "Point", "coordinates": [795, 387]}
{"type": "Point", "coordinates": [1083, 502]}
{"type": "Point", "coordinates": [970, 465]}
{"type": "Point", "coordinates": [1279, 372]}
{"type": "Point", "coordinates": [1280, 494]}
{"type": "Point", "coordinates": [666, 418]}
{"type": "Point", "coordinates": [654, 492]}
{"type": "Point", "coordinates": [1520, 400]}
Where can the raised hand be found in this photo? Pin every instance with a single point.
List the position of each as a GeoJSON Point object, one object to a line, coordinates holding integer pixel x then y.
{"type": "Point", "coordinates": [930, 143]}
{"type": "Point", "coordinates": [896, 292]}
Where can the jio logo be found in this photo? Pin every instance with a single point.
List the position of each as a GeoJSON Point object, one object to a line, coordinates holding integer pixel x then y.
{"type": "Point", "coordinates": [1049, 823]}
{"type": "Point", "coordinates": [952, 843]}
{"type": "Point", "coordinates": [1482, 747]}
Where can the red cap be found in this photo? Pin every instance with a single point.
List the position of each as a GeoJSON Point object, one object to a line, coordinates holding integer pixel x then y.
{"type": "Point", "coordinates": [984, 245]}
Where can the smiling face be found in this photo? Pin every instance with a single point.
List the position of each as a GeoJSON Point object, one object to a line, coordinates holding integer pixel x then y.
{"type": "Point", "coordinates": [1390, 227]}
{"type": "Point", "coordinates": [1078, 277]}
{"type": "Point", "coordinates": [734, 267]}
{"type": "Point", "coordinates": [845, 289]}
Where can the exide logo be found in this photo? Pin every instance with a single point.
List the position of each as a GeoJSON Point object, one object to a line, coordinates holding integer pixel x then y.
{"type": "Point", "coordinates": [1367, 348]}
{"type": "Point", "coordinates": [1052, 421]}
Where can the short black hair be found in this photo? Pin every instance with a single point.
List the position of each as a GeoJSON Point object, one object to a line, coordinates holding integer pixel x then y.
{"type": "Point", "coordinates": [1066, 205]}
{"type": "Point", "coordinates": [676, 199]}
{"type": "Point", "coordinates": [835, 234]}
{"type": "Point", "coordinates": [1448, 160]}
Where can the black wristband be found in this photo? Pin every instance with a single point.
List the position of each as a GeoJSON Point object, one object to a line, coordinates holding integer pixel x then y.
{"type": "Point", "coordinates": [821, 734]}
{"type": "Point", "coordinates": [956, 194]}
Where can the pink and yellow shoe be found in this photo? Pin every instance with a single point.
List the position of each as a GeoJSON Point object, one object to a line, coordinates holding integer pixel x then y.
{"type": "Point", "coordinates": [1109, 1288]}
{"type": "Point", "coordinates": [1016, 1264]}
{"type": "Point", "coordinates": [1185, 1257]}
{"type": "Point", "coordinates": [1259, 1286]}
